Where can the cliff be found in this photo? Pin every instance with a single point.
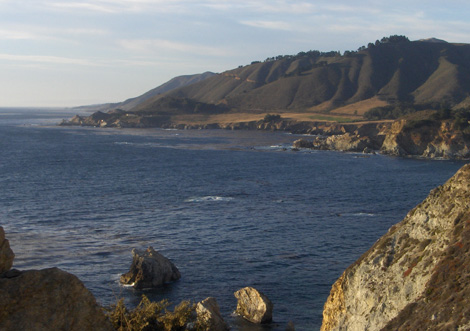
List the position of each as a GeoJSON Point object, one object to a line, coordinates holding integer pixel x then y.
{"type": "Point", "coordinates": [417, 275]}
{"type": "Point", "coordinates": [428, 139]}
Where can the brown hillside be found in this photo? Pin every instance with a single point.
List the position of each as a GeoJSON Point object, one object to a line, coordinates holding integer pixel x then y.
{"type": "Point", "coordinates": [417, 72]}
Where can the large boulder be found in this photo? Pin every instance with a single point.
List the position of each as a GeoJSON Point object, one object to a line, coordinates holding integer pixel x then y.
{"type": "Point", "coordinates": [253, 305]}
{"type": "Point", "coordinates": [6, 254]}
{"type": "Point", "coordinates": [208, 315]}
{"type": "Point", "coordinates": [150, 269]}
{"type": "Point", "coordinates": [48, 299]}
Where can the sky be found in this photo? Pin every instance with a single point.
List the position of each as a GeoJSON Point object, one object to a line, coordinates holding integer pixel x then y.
{"type": "Point", "coordinates": [63, 53]}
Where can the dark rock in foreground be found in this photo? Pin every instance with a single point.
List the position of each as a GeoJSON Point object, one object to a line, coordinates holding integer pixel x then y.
{"type": "Point", "coordinates": [150, 269]}
{"type": "Point", "coordinates": [6, 254]}
{"type": "Point", "coordinates": [48, 299]}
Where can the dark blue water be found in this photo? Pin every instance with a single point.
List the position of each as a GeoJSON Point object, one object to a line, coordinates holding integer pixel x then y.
{"type": "Point", "coordinates": [229, 208]}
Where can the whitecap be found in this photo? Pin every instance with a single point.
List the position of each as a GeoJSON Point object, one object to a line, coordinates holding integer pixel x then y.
{"type": "Point", "coordinates": [361, 214]}
{"type": "Point", "coordinates": [209, 198]}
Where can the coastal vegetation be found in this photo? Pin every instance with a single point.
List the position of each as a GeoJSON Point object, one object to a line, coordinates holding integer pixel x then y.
{"type": "Point", "coordinates": [154, 316]}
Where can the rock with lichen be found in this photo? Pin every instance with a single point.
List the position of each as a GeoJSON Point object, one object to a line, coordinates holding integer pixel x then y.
{"type": "Point", "coordinates": [253, 305]}
{"type": "Point", "coordinates": [417, 276]}
{"type": "Point", "coordinates": [208, 315]}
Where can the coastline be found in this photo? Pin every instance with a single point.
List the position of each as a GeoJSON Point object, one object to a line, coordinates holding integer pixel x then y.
{"type": "Point", "coordinates": [403, 138]}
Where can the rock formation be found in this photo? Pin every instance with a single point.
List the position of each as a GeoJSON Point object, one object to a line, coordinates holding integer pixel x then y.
{"type": "Point", "coordinates": [417, 276]}
{"type": "Point", "coordinates": [6, 254]}
{"type": "Point", "coordinates": [427, 139]}
{"type": "Point", "coordinates": [253, 305]}
{"type": "Point", "coordinates": [208, 314]}
{"type": "Point", "coordinates": [150, 269]}
{"type": "Point", "coordinates": [48, 299]}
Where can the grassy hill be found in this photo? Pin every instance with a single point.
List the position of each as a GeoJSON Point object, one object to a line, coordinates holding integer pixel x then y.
{"type": "Point", "coordinates": [393, 71]}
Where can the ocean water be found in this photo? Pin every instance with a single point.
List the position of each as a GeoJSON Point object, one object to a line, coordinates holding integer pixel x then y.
{"type": "Point", "coordinates": [229, 208]}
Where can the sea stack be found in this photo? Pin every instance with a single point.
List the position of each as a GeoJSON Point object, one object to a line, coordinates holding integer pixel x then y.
{"type": "Point", "coordinates": [417, 276]}
{"type": "Point", "coordinates": [150, 269]}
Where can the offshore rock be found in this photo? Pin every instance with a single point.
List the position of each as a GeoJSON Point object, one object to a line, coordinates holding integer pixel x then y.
{"type": "Point", "coordinates": [6, 254]}
{"type": "Point", "coordinates": [253, 305]}
{"type": "Point", "coordinates": [48, 299]}
{"type": "Point", "coordinates": [302, 143]}
{"type": "Point", "coordinates": [208, 314]}
{"type": "Point", "coordinates": [417, 276]}
{"type": "Point", "coordinates": [150, 269]}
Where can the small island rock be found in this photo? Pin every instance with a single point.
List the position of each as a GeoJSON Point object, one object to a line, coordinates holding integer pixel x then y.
{"type": "Point", "coordinates": [254, 306]}
{"type": "Point", "coordinates": [302, 143]}
{"type": "Point", "coordinates": [6, 254]}
{"type": "Point", "coordinates": [150, 269]}
{"type": "Point", "coordinates": [208, 314]}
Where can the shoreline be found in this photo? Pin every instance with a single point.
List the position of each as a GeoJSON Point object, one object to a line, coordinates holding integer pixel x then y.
{"type": "Point", "coordinates": [403, 138]}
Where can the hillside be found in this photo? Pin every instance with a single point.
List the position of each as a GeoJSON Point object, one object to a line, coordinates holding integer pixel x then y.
{"type": "Point", "coordinates": [423, 85]}
{"type": "Point", "coordinates": [172, 84]}
{"type": "Point", "coordinates": [419, 72]}
{"type": "Point", "coordinates": [416, 277]}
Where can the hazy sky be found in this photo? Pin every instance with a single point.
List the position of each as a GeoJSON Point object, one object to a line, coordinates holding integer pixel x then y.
{"type": "Point", "coordinates": [68, 53]}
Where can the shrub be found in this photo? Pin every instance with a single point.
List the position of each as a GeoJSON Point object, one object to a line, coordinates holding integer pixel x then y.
{"type": "Point", "coordinates": [150, 316]}
{"type": "Point", "coordinates": [272, 117]}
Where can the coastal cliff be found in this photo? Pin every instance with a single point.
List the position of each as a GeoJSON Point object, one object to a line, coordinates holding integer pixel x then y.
{"type": "Point", "coordinates": [417, 275]}
{"type": "Point", "coordinates": [429, 139]}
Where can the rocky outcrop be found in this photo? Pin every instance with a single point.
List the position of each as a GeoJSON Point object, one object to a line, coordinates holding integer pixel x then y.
{"type": "Point", "coordinates": [48, 299]}
{"type": "Point", "coordinates": [208, 315]}
{"type": "Point", "coordinates": [253, 305]}
{"type": "Point", "coordinates": [150, 269]}
{"type": "Point", "coordinates": [6, 254]}
{"type": "Point", "coordinates": [430, 139]}
{"type": "Point", "coordinates": [422, 138]}
{"type": "Point", "coordinates": [417, 276]}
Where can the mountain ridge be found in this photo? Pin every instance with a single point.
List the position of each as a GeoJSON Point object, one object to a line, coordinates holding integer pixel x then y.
{"type": "Point", "coordinates": [416, 72]}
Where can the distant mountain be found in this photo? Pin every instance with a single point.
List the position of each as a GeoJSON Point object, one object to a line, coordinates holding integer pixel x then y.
{"type": "Point", "coordinates": [174, 83]}
{"type": "Point", "coordinates": [390, 71]}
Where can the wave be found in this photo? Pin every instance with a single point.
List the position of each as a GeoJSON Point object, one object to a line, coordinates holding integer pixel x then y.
{"type": "Point", "coordinates": [356, 214]}
{"type": "Point", "coordinates": [209, 198]}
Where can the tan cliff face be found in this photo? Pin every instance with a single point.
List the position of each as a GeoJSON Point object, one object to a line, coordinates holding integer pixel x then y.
{"type": "Point", "coordinates": [419, 267]}
{"type": "Point", "coordinates": [430, 140]}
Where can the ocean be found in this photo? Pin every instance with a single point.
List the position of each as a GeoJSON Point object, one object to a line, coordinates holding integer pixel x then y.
{"type": "Point", "coordinates": [229, 208]}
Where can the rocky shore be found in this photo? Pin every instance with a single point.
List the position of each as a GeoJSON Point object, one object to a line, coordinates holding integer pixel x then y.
{"type": "Point", "coordinates": [427, 139]}
{"type": "Point", "coordinates": [52, 299]}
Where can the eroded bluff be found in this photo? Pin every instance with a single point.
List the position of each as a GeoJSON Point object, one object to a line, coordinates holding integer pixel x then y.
{"type": "Point", "coordinates": [417, 276]}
